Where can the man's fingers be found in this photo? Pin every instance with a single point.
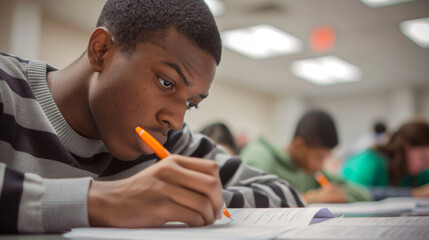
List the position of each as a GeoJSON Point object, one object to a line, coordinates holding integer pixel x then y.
{"type": "Point", "coordinates": [197, 164]}
{"type": "Point", "coordinates": [188, 199]}
{"type": "Point", "coordinates": [193, 179]}
{"type": "Point", "coordinates": [177, 212]}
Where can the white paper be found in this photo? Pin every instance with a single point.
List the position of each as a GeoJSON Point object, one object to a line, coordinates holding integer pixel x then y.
{"type": "Point", "coordinates": [350, 232]}
{"type": "Point", "coordinates": [248, 223]}
{"type": "Point", "coordinates": [282, 217]}
{"type": "Point", "coordinates": [378, 221]}
{"type": "Point", "coordinates": [410, 228]}
{"type": "Point", "coordinates": [390, 206]}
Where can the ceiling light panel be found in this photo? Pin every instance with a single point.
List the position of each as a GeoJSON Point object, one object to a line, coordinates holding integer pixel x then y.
{"type": "Point", "coordinates": [326, 70]}
{"type": "Point", "coordinates": [417, 30]}
{"type": "Point", "coordinates": [261, 41]}
{"type": "Point", "coordinates": [217, 7]}
{"type": "Point", "coordinates": [383, 3]}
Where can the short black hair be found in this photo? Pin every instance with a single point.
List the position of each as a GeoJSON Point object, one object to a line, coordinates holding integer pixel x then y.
{"type": "Point", "coordinates": [379, 127]}
{"type": "Point", "coordinates": [133, 21]}
{"type": "Point", "coordinates": [221, 134]}
{"type": "Point", "coordinates": [317, 128]}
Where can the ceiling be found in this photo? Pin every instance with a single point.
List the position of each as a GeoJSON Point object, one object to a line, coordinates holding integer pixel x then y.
{"type": "Point", "coordinates": [366, 37]}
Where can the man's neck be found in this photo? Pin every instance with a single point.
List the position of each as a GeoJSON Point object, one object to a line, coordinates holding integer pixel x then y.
{"type": "Point", "coordinates": [292, 155]}
{"type": "Point", "coordinates": [70, 90]}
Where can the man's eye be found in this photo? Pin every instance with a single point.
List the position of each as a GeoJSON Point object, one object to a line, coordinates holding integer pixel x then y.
{"type": "Point", "coordinates": [165, 83]}
{"type": "Point", "coordinates": [190, 105]}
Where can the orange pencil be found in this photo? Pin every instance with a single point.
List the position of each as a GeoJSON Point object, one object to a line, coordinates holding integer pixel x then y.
{"type": "Point", "coordinates": [321, 179]}
{"type": "Point", "coordinates": [160, 150]}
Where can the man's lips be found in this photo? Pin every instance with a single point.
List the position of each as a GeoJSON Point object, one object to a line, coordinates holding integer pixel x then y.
{"type": "Point", "coordinates": [145, 148]}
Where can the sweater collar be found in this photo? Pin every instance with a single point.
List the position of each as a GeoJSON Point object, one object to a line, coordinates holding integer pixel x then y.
{"type": "Point", "coordinates": [73, 141]}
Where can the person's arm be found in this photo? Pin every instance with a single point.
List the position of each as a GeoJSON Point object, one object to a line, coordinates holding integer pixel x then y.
{"type": "Point", "coordinates": [31, 204]}
{"type": "Point", "coordinates": [243, 186]}
{"type": "Point", "coordinates": [380, 193]}
{"type": "Point", "coordinates": [353, 192]}
{"type": "Point", "coordinates": [256, 155]}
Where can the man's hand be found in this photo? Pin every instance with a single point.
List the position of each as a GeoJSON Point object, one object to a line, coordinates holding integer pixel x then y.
{"type": "Point", "coordinates": [422, 191]}
{"type": "Point", "coordinates": [332, 193]}
{"type": "Point", "coordinates": [178, 188]}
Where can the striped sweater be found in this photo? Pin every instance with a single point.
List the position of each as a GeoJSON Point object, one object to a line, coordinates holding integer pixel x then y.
{"type": "Point", "coordinates": [46, 167]}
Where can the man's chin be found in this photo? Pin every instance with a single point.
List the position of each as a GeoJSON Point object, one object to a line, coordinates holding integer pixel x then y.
{"type": "Point", "coordinates": [126, 158]}
{"type": "Point", "coordinates": [131, 157]}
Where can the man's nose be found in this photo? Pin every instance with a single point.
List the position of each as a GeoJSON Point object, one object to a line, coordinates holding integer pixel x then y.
{"type": "Point", "coordinates": [173, 117]}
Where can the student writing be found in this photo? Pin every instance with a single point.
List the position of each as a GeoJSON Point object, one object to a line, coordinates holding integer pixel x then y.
{"type": "Point", "coordinates": [69, 153]}
{"type": "Point", "coordinates": [396, 168]}
{"type": "Point", "coordinates": [315, 137]}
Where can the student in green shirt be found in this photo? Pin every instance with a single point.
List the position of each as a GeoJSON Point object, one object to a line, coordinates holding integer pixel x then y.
{"type": "Point", "coordinates": [315, 137]}
{"type": "Point", "coordinates": [397, 168]}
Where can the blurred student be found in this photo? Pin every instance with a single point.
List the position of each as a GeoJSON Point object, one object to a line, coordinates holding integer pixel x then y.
{"type": "Point", "coordinates": [315, 137]}
{"type": "Point", "coordinates": [397, 168]}
{"type": "Point", "coordinates": [222, 135]}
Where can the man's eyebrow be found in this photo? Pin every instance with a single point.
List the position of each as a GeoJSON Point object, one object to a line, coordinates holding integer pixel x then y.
{"type": "Point", "coordinates": [179, 71]}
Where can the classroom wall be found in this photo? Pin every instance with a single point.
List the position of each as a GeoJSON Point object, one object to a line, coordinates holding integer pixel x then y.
{"type": "Point", "coordinates": [243, 110]}
{"type": "Point", "coordinates": [61, 43]}
{"type": "Point", "coordinates": [353, 114]}
{"type": "Point", "coordinates": [422, 98]}
{"type": "Point", "coordinates": [5, 26]}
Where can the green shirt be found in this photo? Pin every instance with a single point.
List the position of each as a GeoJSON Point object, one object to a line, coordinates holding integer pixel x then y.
{"type": "Point", "coordinates": [272, 159]}
{"type": "Point", "coordinates": [369, 168]}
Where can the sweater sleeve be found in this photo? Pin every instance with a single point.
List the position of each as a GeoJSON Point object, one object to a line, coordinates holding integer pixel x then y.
{"type": "Point", "coordinates": [244, 186]}
{"type": "Point", "coordinates": [31, 204]}
{"type": "Point", "coordinates": [256, 155]}
{"type": "Point", "coordinates": [355, 192]}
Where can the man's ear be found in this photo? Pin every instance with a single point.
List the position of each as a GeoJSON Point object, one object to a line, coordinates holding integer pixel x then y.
{"type": "Point", "coordinates": [298, 143]}
{"type": "Point", "coordinates": [100, 43]}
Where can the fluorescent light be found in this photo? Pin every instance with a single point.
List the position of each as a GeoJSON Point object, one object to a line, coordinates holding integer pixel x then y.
{"type": "Point", "coordinates": [382, 3]}
{"type": "Point", "coordinates": [326, 70]}
{"type": "Point", "coordinates": [216, 7]}
{"type": "Point", "coordinates": [417, 30]}
{"type": "Point", "coordinates": [261, 41]}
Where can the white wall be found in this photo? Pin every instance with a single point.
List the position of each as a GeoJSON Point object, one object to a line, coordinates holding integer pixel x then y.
{"type": "Point", "coordinates": [6, 25]}
{"type": "Point", "coordinates": [25, 34]}
{"type": "Point", "coordinates": [354, 114]}
{"type": "Point", "coordinates": [61, 43]}
{"type": "Point", "coordinates": [286, 116]}
{"type": "Point", "coordinates": [422, 102]}
{"type": "Point", "coordinates": [242, 110]}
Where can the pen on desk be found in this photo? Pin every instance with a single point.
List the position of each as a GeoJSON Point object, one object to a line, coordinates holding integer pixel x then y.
{"type": "Point", "coordinates": [160, 151]}
{"type": "Point", "coordinates": [321, 179]}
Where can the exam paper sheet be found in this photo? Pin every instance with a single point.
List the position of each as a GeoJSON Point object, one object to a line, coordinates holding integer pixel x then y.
{"type": "Point", "coordinates": [358, 232]}
{"type": "Point", "coordinates": [371, 208]}
{"type": "Point", "coordinates": [248, 223]}
{"type": "Point", "coordinates": [283, 217]}
{"type": "Point", "coordinates": [410, 228]}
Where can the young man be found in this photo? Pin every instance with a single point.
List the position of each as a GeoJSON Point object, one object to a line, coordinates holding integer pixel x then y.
{"type": "Point", "coordinates": [315, 137]}
{"type": "Point", "coordinates": [64, 131]}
